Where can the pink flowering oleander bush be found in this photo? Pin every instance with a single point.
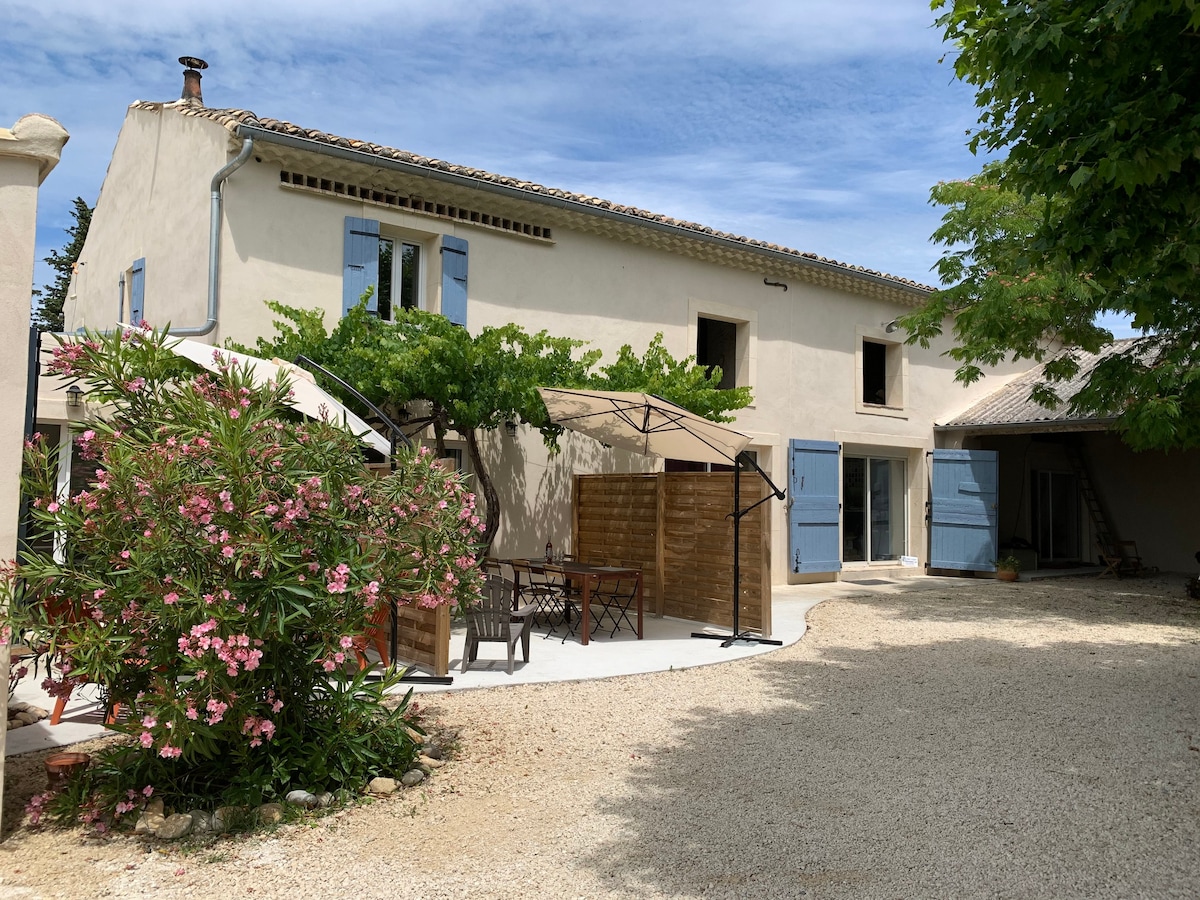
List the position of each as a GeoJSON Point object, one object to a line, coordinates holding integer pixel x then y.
{"type": "Point", "coordinates": [218, 572]}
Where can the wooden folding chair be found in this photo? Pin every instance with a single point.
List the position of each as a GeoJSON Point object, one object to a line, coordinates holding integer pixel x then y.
{"type": "Point", "coordinates": [1111, 560]}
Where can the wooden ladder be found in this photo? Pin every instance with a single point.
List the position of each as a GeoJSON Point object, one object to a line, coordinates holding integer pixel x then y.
{"type": "Point", "coordinates": [1074, 453]}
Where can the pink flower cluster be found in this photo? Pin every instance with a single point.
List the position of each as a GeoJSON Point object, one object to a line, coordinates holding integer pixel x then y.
{"type": "Point", "coordinates": [235, 651]}
{"type": "Point", "coordinates": [67, 357]}
{"type": "Point", "coordinates": [258, 728]}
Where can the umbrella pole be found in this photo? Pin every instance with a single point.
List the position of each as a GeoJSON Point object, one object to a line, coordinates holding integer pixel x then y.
{"type": "Point", "coordinates": [728, 640]}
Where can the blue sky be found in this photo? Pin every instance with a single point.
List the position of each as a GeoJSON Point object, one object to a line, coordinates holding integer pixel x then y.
{"type": "Point", "coordinates": [814, 124]}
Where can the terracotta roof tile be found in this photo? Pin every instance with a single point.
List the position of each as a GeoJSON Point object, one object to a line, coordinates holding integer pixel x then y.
{"type": "Point", "coordinates": [232, 118]}
{"type": "Point", "coordinates": [1011, 405]}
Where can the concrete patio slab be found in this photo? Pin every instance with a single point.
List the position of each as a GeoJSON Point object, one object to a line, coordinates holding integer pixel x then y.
{"type": "Point", "coordinates": [667, 645]}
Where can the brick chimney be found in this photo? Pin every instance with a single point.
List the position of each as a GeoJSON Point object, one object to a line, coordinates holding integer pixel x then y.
{"type": "Point", "coordinates": [191, 79]}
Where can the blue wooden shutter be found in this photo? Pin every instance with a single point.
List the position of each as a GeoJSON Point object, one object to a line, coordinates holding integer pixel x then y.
{"type": "Point", "coordinates": [137, 292]}
{"type": "Point", "coordinates": [360, 262]}
{"type": "Point", "coordinates": [454, 279]}
{"type": "Point", "coordinates": [815, 515]}
{"type": "Point", "coordinates": [963, 511]}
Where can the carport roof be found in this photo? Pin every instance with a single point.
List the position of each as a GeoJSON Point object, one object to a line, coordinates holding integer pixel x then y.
{"type": "Point", "coordinates": [1011, 409]}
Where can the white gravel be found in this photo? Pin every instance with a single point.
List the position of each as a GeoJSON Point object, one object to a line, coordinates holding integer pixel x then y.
{"type": "Point", "coordinates": [991, 740]}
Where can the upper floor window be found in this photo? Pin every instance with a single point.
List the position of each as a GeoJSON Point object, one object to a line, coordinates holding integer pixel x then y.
{"type": "Point", "coordinates": [716, 345]}
{"type": "Point", "coordinates": [393, 268]}
{"type": "Point", "coordinates": [874, 373]}
{"type": "Point", "coordinates": [725, 336]}
{"type": "Point", "coordinates": [399, 277]}
{"type": "Point", "coordinates": [881, 374]}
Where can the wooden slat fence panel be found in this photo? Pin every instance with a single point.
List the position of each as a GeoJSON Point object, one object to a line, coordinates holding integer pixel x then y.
{"type": "Point", "coordinates": [676, 527]}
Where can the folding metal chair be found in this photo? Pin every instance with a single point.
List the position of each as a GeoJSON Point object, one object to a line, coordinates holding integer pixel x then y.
{"type": "Point", "coordinates": [617, 597]}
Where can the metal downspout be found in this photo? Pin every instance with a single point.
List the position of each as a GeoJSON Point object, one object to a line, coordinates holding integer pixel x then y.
{"type": "Point", "coordinates": [214, 239]}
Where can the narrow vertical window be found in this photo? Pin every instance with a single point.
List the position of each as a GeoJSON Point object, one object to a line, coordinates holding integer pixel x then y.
{"type": "Point", "coordinates": [383, 291]}
{"type": "Point", "coordinates": [410, 267]}
{"type": "Point", "coordinates": [716, 345]}
{"type": "Point", "coordinates": [874, 363]}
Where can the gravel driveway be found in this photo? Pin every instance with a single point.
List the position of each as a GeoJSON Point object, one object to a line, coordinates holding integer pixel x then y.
{"type": "Point", "coordinates": [986, 740]}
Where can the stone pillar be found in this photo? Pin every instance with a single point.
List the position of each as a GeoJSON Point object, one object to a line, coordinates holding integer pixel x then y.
{"type": "Point", "coordinates": [28, 151]}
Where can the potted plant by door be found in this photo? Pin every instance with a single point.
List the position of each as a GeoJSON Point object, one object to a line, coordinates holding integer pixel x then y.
{"type": "Point", "coordinates": [1008, 568]}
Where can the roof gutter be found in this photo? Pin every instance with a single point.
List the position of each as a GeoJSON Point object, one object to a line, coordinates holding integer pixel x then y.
{"type": "Point", "coordinates": [214, 239]}
{"type": "Point", "coordinates": [370, 159]}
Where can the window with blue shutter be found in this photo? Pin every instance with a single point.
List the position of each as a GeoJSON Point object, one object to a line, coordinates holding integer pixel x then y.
{"type": "Point", "coordinates": [360, 262]}
{"type": "Point", "coordinates": [137, 292]}
{"type": "Point", "coordinates": [454, 279]}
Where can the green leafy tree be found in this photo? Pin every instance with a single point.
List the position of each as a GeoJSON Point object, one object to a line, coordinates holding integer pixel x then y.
{"type": "Point", "coordinates": [1097, 105]}
{"type": "Point", "coordinates": [477, 383]}
{"type": "Point", "coordinates": [48, 310]}
{"type": "Point", "coordinates": [1004, 297]}
{"type": "Point", "coordinates": [468, 383]}
{"type": "Point", "coordinates": [683, 382]}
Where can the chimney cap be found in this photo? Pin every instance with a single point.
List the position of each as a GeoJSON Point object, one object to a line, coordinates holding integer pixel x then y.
{"type": "Point", "coordinates": [193, 62]}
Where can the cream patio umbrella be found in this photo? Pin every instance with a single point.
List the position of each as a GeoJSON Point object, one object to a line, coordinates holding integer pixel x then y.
{"type": "Point", "coordinates": [653, 426]}
{"type": "Point", "coordinates": [643, 423]}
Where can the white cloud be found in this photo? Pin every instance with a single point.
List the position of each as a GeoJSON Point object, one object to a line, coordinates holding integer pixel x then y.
{"type": "Point", "coordinates": [818, 125]}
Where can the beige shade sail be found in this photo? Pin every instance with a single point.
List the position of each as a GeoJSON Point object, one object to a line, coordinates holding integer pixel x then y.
{"type": "Point", "coordinates": [307, 396]}
{"type": "Point", "coordinates": [643, 423]}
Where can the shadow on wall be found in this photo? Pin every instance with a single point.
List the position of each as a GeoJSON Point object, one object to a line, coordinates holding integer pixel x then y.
{"type": "Point", "coordinates": [535, 488]}
{"type": "Point", "coordinates": [911, 768]}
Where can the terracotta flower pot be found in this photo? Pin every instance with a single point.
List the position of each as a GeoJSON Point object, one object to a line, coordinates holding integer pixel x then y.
{"type": "Point", "coordinates": [1006, 575]}
{"type": "Point", "coordinates": [60, 767]}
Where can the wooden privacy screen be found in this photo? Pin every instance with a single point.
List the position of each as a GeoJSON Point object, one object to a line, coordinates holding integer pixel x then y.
{"type": "Point", "coordinates": [424, 638]}
{"type": "Point", "coordinates": [676, 527]}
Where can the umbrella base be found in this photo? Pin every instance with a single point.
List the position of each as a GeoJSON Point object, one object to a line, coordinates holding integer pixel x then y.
{"type": "Point", "coordinates": [728, 640]}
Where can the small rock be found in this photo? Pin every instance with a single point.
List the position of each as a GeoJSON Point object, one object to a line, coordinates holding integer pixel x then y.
{"type": "Point", "coordinates": [433, 762]}
{"type": "Point", "coordinates": [37, 711]}
{"type": "Point", "coordinates": [174, 827]}
{"type": "Point", "coordinates": [16, 706]}
{"type": "Point", "coordinates": [382, 785]}
{"type": "Point", "coordinates": [411, 777]}
{"type": "Point", "coordinates": [227, 817]}
{"type": "Point", "coordinates": [415, 736]}
{"type": "Point", "coordinates": [149, 823]}
{"type": "Point", "coordinates": [14, 723]}
{"type": "Point", "coordinates": [324, 799]}
{"type": "Point", "coordinates": [270, 813]}
{"type": "Point", "coordinates": [302, 798]}
{"type": "Point", "coordinates": [201, 821]}
{"type": "Point", "coordinates": [433, 751]}
{"type": "Point", "coordinates": [27, 717]}
{"type": "Point", "coordinates": [154, 807]}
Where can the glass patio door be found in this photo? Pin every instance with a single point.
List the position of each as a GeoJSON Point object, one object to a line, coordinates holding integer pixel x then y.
{"type": "Point", "coordinates": [1055, 516]}
{"type": "Point", "coordinates": [873, 509]}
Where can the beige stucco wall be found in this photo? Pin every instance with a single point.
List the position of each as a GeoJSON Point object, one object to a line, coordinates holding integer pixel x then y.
{"type": "Point", "coordinates": [154, 204]}
{"type": "Point", "coordinates": [28, 151]}
{"type": "Point", "coordinates": [802, 346]}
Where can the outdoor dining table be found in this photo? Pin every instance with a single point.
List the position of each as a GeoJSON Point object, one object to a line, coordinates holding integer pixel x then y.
{"type": "Point", "coordinates": [591, 575]}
